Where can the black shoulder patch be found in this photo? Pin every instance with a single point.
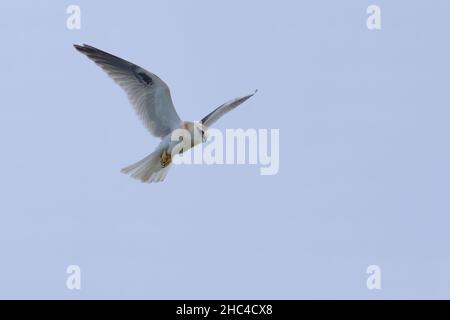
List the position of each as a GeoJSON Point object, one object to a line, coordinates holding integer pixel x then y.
{"type": "Point", "coordinates": [144, 78]}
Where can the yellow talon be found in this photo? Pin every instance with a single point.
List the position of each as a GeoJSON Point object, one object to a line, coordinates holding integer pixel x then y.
{"type": "Point", "coordinates": [165, 159]}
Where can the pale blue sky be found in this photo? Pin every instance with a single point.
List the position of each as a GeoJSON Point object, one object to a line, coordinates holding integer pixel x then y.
{"type": "Point", "coordinates": [364, 176]}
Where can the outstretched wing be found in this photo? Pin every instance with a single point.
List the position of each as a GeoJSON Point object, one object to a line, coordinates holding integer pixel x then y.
{"type": "Point", "coordinates": [223, 109]}
{"type": "Point", "coordinates": [149, 95]}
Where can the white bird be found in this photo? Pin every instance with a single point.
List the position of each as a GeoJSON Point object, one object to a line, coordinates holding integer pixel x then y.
{"type": "Point", "coordinates": [151, 99]}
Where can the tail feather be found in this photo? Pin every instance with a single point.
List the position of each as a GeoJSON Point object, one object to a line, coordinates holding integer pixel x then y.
{"type": "Point", "coordinates": [148, 169]}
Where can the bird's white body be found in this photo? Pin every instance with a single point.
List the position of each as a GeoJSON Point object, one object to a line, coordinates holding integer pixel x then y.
{"type": "Point", "coordinates": [193, 130]}
{"type": "Point", "coordinates": [152, 101]}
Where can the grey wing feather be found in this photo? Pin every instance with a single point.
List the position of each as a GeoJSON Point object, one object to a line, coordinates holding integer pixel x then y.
{"type": "Point", "coordinates": [149, 95]}
{"type": "Point", "coordinates": [224, 108]}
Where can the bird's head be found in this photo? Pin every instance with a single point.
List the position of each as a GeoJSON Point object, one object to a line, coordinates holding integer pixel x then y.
{"type": "Point", "coordinates": [198, 132]}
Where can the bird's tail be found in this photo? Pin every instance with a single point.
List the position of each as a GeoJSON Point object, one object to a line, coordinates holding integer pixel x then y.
{"type": "Point", "coordinates": [148, 169]}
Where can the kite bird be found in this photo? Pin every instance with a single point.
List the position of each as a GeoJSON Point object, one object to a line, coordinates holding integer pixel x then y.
{"type": "Point", "coordinates": [151, 99]}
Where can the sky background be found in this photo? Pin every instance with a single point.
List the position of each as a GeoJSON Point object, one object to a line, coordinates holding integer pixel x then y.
{"type": "Point", "coordinates": [364, 152]}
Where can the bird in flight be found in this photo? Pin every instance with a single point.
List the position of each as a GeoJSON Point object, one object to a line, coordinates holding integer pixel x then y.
{"type": "Point", "coordinates": [151, 99]}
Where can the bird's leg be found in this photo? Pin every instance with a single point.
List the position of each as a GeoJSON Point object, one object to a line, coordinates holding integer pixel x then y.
{"type": "Point", "coordinates": [165, 159]}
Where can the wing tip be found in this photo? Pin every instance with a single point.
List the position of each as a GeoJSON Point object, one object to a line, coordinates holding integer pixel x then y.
{"type": "Point", "coordinates": [85, 48]}
{"type": "Point", "coordinates": [252, 94]}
